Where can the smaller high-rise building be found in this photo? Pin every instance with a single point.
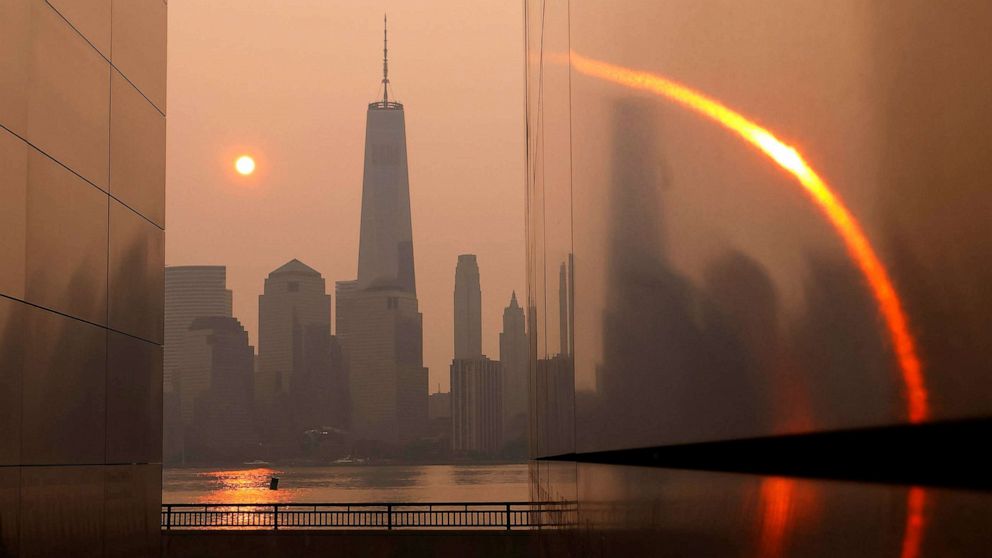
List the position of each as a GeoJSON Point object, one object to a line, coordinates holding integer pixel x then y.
{"type": "Point", "coordinates": [191, 291]}
{"type": "Point", "coordinates": [514, 358]}
{"type": "Point", "coordinates": [439, 415]}
{"type": "Point", "coordinates": [381, 334]}
{"type": "Point", "coordinates": [293, 301]}
{"type": "Point", "coordinates": [216, 390]}
{"type": "Point", "coordinates": [468, 308]}
{"type": "Point", "coordinates": [476, 406]}
{"type": "Point", "coordinates": [439, 405]}
{"type": "Point", "coordinates": [318, 393]}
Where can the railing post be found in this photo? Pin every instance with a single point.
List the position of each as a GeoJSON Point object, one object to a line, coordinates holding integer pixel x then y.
{"type": "Point", "coordinates": [275, 517]}
{"type": "Point", "coordinates": [168, 517]}
{"type": "Point", "coordinates": [508, 517]}
{"type": "Point", "coordinates": [389, 517]}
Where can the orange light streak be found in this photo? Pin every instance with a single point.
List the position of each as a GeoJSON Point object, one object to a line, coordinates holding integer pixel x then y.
{"type": "Point", "coordinates": [912, 538]}
{"type": "Point", "coordinates": [776, 515]}
{"type": "Point", "coordinates": [830, 204]}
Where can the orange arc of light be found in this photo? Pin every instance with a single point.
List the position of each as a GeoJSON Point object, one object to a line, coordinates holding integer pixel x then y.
{"type": "Point", "coordinates": [830, 204]}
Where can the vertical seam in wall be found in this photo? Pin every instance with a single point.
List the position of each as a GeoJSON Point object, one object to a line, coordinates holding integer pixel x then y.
{"type": "Point", "coordinates": [570, 261]}
{"type": "Point", "coordinates": [106, 368]}
{"type": "Point", "coordinates": [110, 136]}
{"type": "Point", "coordinates": [106, 356]}
{"type": "Point", "coordinates": [539, 148]}
{"type": "Point", "coordinates": [20, 491]}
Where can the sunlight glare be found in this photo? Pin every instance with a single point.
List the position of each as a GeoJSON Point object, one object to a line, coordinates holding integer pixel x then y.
{"type": "Point", "coordinates": [245, 165]}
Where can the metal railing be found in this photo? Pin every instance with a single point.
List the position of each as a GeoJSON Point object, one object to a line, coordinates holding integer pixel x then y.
{"type": "Point", "coordinates": [385, 516]}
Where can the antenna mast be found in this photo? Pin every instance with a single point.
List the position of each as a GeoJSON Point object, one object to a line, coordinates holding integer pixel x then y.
{"type": "Point", "coordinates": [385, 61]}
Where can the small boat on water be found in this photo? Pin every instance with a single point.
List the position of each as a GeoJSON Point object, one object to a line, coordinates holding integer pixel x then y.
{"type": "Point", "coordinates": [349, 460]}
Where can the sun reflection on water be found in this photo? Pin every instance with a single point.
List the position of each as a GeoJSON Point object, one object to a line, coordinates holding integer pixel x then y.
{"type": "Point", "coordinates": [242, 486]}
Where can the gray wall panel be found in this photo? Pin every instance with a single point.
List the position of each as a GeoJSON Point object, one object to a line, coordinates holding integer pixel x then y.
{"type": "Point", "coordinates": [66, 250]}
{"type": "Point", "coordinates": [134, 400]}
{"type": "Point", "coordinates": [139, 45]}
{"type": "Point", "coordinates": [132, 498]}
{"type": "Point", "coordinates": [54, 88]}
{"type": "Point", "coordinates": [61, 511]}
{"type": "Point", "coordinates": [10, 502]}
{"type": "Point", "coordinates": [91, 18]}
{"type": "Point", "coordinates": [137, 141]}
{"type": "Point", "coordinates": [63, 397]}
{"type": "Point", "coordinates": [137, 283]}
{"type": "Point", "coordinates": [13, 213]}
{"type": "Point", "coordinates": [55, 234]}
{"type": "Point", "coordinates": [13, 340]}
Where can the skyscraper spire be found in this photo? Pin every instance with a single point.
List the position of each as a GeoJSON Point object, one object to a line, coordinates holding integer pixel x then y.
{"type": "Point", "coordinates": [385, 61]}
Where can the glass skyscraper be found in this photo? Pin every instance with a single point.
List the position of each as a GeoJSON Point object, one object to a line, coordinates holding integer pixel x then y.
{"type": "Point", "coordinates": [378, 319]}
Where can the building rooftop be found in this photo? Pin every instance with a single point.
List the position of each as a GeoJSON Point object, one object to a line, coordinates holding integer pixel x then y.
{"type": "Point", "coordinates": [295, 266]}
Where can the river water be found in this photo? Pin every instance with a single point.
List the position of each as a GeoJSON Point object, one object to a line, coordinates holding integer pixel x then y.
{"type": "Point", "coordinates": [348, 484]}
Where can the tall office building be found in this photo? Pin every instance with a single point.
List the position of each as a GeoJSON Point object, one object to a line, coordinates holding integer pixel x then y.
{"type": "Point", "coordinates": [82, 201]}
{"type": "Point", "coordinates": [294, 300]}
{"type": "Point", "coordinates": [476, 406]}
{"type": "Point", "coordinates": [385, 249]}
{"type": "Point", "coordinates": [215, 388]}
{"type": "Point", "coordinates": [378, 320]}
{"type": "Point", "coordinates": [514, 358]}
{"type": "Point", "coordinates": [191, 291]}
{"type": "Point", "coordinates": [476, 382]}
{"type": "Point", "coordinates": [468, 308]}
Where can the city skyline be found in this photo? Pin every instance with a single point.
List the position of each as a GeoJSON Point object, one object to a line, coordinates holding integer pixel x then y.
{"type": "Point", "coordinates": [212, 298]}
{"type": "Point", "coordinates": [306, 189]}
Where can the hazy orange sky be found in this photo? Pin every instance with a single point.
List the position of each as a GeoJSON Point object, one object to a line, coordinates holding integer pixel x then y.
{"type": "Point", "coordinates": [288, 82]}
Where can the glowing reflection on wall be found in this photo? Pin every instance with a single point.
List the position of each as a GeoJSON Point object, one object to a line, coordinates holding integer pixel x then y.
{"type": "Point", "coordinates": [912, 539]}
{"type": "Point", "coordinates": [846, 225]}
{"type": "Point", "coordinates": [776, 502]}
